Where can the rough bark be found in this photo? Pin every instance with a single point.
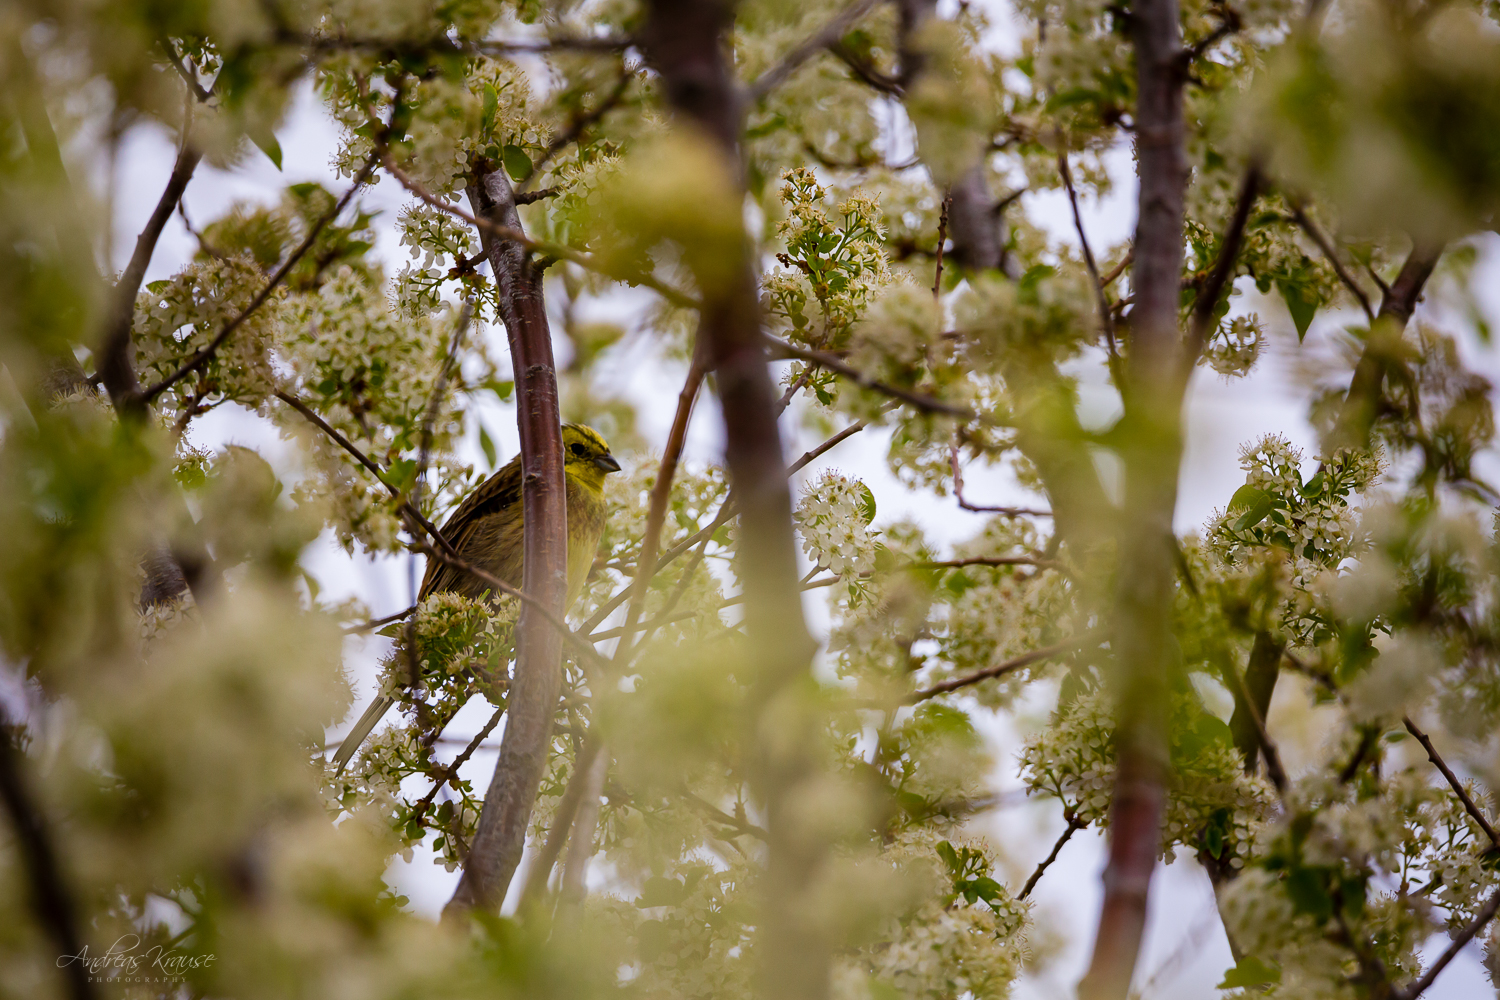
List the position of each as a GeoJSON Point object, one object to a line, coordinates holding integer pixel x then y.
{"type": "Point", "coordinates": [685, 42]}
{"type": "Point", "coordinates": [532, 700]}
{"type": "Point", "coordinates": [1151, 451]}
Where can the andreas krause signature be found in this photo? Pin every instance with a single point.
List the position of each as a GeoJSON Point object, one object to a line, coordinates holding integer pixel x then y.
{"type": "Point", "coordinates": [124, 958]}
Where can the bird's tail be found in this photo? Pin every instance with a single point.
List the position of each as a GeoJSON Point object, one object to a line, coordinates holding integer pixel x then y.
{"type": "Point", "coordinates": [360, 732]}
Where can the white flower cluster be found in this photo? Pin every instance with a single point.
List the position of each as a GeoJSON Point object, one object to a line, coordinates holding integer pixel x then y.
{"type": "Point", "coordinates": [1313, 522]}
{"type": "Point", "coordinates": [1211, 803]}
{"type": "Point", "coordinates": [833, 518]}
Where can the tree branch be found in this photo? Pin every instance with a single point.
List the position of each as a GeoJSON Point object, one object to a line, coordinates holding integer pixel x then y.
{"type": "Point", "coordinates": [575, 129]}
{"type": "Point", "coordinates": [958, 493]}
{"type": "Point", "coordinates": [449, 772]}
{"type": "Point", "coordinates": [50, 899]}
{"type": "Point", "coordinates": [1329, 252]}
{"type": "Point", "coordinates": [1470, 806]}
{"type": "Point", "coordinates": [1008, 666]}
{"type": "Point", "coordinates": [828, 35]}
{"type": "Point", "coordinates": [1460, 940]}
{"type": "Point", "coordinates": [116, 369]}
{"type": "Point", "coordinates": [541, 867]}
{"type": "Point", "coordinates": [1206, 304]}
{"type": "Point", "coordinates": [1274, 770]}
{"type": "Point", "coordinates": [205, 354]}
{"type": "Point", "coordinates": [686, 42]}
{"type": "Point", "coordinates": [1074, 825]}
{"type": "Point", "coordinates": [921, 401]}
{"type": "Point", "coordinates": [531, 705]}
{"type": "Point", "coordinates": [512, 234]}
{"type": "Point", "coordinates": [1152, 387]}
{"type": "Point", "coordinates": [1362, 402]}
{"type": "Point", "coordinates": [1106, 313]}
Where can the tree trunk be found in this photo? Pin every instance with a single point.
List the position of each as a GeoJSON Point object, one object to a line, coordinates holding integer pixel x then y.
{"type": "Point", "coordinates": [531, 704]}
{"type": "Point", "coordinates": [685, 41]}
{"type": "Point", "coordinates": [1152, 451]}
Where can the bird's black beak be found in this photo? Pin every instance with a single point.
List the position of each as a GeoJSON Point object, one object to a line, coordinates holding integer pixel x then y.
{"type": "Point", "coordinates": [607, 462]}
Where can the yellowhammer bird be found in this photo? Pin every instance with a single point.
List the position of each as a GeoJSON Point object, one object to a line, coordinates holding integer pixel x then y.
{"type": "Point", "coordinates": [486, 529]}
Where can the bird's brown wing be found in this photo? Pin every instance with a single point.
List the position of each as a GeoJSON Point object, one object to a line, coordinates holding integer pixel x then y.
{"type": "Point", "coordinates": [486, 530]}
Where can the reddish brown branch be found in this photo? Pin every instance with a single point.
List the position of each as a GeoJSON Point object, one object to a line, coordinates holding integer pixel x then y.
{"type": "Point", "coordinates": [825, 37]}
{"type": "Point", "coordinates": [1074, 825]}
{"type": "Point", "coordinates": [531, 704]}
{"type": "Point", "coordinates": [1152, 387]}
{"type": "Point", "coordinates": [1469, 804]}
{"type": "Point", "coordinates": [686, 42]}
{"type": "Point", "coordinates": [116, 370]}
{"type": "Point", "coordinates": [1362, 403]}
{"type": "Point", "coordinates": [1418, 986]}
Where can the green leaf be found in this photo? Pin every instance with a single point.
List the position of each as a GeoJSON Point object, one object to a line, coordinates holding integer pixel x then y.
{"type": "Point", "coordinates": [402, 474]}
{"type": "Point", "coordinates": [1245, 497]}
{"type": "Point", "coordinates": [950, 857]}
{"type": "Point", "coordinates": [266, 142]}
{"type": "Point", "coordinates": [1308, 894]}
{"type": "Point", "coordinates": [866, 504]}
{"type": "Point", "coordinates": [1314, 486]}
{"type": "Point", "coordinates": [1250, 972]}
{"type": "Point", "coordinates": [487, 445]}
{"type": "Point", "coordinates": [1300, 303]}
{"type": "Point", "coordinates": [517, 163]}
{"type": "Point", "coordinates": [984, 888]}
{"type": "Point", "coordinates": [661, 891]}
{"type": "Point", "coordinates": [491, 105]}
{"type": "Point", "coordinates": [1256, 514]}
{"type": "Point", "coordinates": [1213, 841]}
{"type": "Point", "coordinates": [502, 390]}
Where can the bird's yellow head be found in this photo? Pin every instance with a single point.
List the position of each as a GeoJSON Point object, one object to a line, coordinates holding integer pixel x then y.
{"type": "Point", "coordinates": [586, 455]}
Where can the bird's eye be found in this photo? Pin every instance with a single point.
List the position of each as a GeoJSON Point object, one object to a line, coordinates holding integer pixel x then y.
{"type": "Point", "coordinates": [576, 449]}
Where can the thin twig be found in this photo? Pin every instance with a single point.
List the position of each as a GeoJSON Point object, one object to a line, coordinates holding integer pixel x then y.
{"type": "Point", "coordinates": [1008, 666]}
{"type": "Point", "coordinates": [206, 353]}
{"type": "Point", "coordinates": [188, 76]}
{"type": "Point", "coordinates": [942, 239]}
{"type": "Point", "coordinates": [1106, 313]}
{"type": "Point", "coordinates": [825, 37]}
{"type": "Point", "coordinates": [449, 772]}
{"type": "Point", "coordinates": [964, 504]}
{"type": "Point", "coordinates": [920, 400]}
{"type": "Point", "coordinates": [574, 130]}
{"type": "Point", "coordinates": [554, 250]}
{"type": "Point", "coordinates": [1470, 806]}
{"type": "Point", "coordinates": [115, 367]}
{"type": "Point", "coordinates": [1460, 940]}
{"type": "Point", "coordinates": [1074, 825]}
{"type": "Point", "coordinates": [1331, 253]}
{"type": "Point", "coordinates": [733, 822]}
{"type": "Point", "coordinates": [1119, 268]}
{"type": "Point", "coordinates": [376, 623]}
{"type": "Point", "coordinates": [1207, 301]}
{"type": "Point", "coordinates": [562, 821]}
{"type": "Point", "coordinates": [988, 561]}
